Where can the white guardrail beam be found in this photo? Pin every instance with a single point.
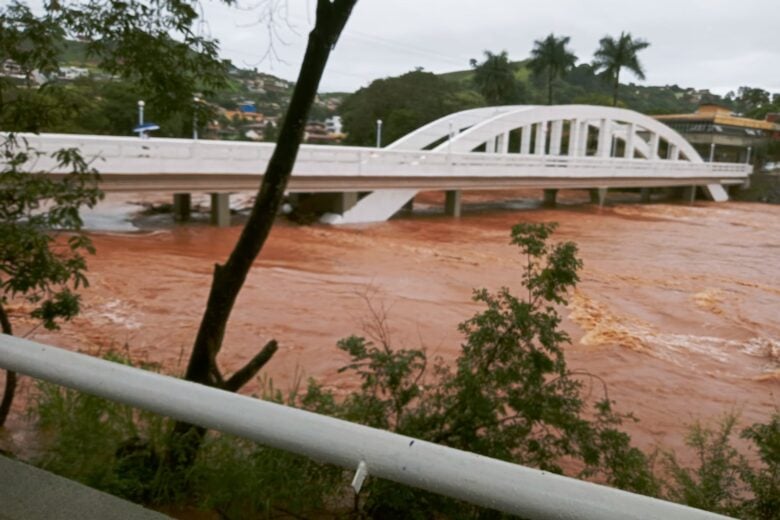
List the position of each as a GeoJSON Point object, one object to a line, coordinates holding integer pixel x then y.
{"type": "Point", "coordinates": [492, 483]}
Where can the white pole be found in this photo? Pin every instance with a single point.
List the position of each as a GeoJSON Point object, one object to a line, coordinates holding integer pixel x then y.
{"type": "Point", "coordinates": [492, 483]}
{"type": "Point", "coordinates": [141, 116]}
{"type": "Point", "coordinates": [196, 100]}
{"type": "Point", "coordinates": [379, 133]}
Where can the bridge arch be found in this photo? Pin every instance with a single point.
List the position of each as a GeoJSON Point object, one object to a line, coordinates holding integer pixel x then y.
{"type": "Point", "coordinates": [542, 127]}
{"type": "Point", "coordinates": [489, 126]}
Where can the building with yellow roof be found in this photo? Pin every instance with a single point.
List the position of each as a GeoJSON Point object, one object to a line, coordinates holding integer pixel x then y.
{"type": "Point", "coordinates": [719, 135]}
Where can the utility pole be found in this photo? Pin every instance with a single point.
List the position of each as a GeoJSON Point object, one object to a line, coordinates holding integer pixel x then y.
{"type": "Point", "coordinates": [379, 133]}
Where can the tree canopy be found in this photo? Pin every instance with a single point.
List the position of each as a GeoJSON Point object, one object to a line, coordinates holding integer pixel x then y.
{"type": "Point", "coordinates": [614, 55]}
{"type": "Point", "coordinates": [495, 79]}
{"type": "Point", "coordinates": [42, 246]}
{"type": "Point", "coordinates": [404, 103]}
{"type": "Point", "coordinates": [550, 59]}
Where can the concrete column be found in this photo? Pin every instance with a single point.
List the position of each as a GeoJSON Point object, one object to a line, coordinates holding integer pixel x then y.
{"type": "Point", "coordinates": [504, 143]}
{"type": "Point", "coordinates": [220, 209]}
{"type": "Point", "coordinates": [688, 194]}
{"type": "Point", "coordinates": [630, 133]}
{"type": "Point", "coordinates": [525, 140]}
{"type": "Point", "coordinates": [490, 145]}
{"type": "Point", "coordinates": [182, 207]}
{"type": "Point", "coordinates": [674, 152]}
{"type": "Point", "coordinates": [605, 138]}
{"type": "Point", "coordinates": [540, 147]}
{"type": "Point", "coordinates": [550, 198]}
{"type": "Point", "coordinates": [644, 193]}
{"type": "Point", "coordinates": [583, 143]}
{"type": "Point", "coordinates": [574, 137]}
{"type": "Point", "coordinates": [452, 203]}
{"type": "Point", "coordinates": [598, 196]}
{"type": "Point", "coordinates": [712, 152]}
{"type": "Point", "coordinates": [654, 140]}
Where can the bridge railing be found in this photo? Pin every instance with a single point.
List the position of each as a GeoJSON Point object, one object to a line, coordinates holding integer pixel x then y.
{"type": "Point", "coordinates": [511, 488]}
{"type": "Point", "coordinates": [126, 155]}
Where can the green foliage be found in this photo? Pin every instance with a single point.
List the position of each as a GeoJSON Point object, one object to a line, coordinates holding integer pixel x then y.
{"type": "Point", "coordinates": [495, 79]}
{"type": "Point", "coordinates": [41, 242]}
{"type": "Point", "coordinates": [236, 477]}
{"type": "Point", "coordinates": [724, 480]}
{"type": "Point", "coordinates": [764, 478]}
{"type": "Point", "coordinates": [122, 443]}
{"type": "Point", "coordinates": [614, 55]}
{"type": "Point", "coordinates": [403, 104]}
{"type": "Point", "coordinates": [132, 41]}
{"type": "Point", "coordinates": [550, 59]}
{"type": "Point", "coordinates": [714, 484]}
{"type": "Point", "coordinates": [510, 395]}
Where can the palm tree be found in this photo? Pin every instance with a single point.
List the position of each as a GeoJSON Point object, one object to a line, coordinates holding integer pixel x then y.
{"type": "Point", "coordinates": [552, 59]}
{"type": "Point", "coordinates": [611, 56]}
{"type": "Point", "coordinates": [495, 79]}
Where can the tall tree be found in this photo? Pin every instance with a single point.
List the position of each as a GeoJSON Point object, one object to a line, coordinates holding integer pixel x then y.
{"type": "Point", "coordinates": [551, 59]}
{"type": "Point", "coordinates": [613, 55]}
{"type": "Point", "coordinates": [495, 79]}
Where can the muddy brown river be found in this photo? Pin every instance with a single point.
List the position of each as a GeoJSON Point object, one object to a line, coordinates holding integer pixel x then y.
{"type": "Point", "coordinates": [677, 309]}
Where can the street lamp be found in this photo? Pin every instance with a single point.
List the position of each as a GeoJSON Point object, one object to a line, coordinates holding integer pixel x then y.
{"type": "Point", "coordinates": [140, 117]}
{"type": "Point", "coordinates": [196, 100]}
{"type": "Point", "coordinates": [379, 133]}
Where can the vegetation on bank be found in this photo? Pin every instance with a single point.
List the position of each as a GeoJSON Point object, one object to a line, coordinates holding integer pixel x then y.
{"type": "Point", "coordinates": [509, 395]}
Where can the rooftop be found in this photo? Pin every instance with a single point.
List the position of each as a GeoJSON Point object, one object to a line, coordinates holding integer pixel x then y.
{"type": "Point", "coordinates": [719, 115]}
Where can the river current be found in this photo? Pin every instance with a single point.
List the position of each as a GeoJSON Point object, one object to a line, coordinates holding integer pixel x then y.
{"type": "Point", "coordinates": [677, 308]}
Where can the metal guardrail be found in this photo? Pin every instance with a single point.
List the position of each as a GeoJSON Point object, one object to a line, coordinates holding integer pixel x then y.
{"type": "Point", "coordinates": [511, 488]}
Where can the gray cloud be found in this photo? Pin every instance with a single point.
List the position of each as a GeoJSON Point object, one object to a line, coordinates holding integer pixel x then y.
{"type": "Point", "coordinates": [716, 44]}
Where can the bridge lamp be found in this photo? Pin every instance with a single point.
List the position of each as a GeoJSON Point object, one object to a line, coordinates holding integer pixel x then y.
{"type": "Point", "coordinates": [195, 100]}
{"type": "Point", "coordinates": [141, 105]}
{"type": "Point", "coordinates": [379, 133]}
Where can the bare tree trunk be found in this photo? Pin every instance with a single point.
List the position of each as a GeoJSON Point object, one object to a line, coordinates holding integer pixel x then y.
{"type": "Point", "coordinates": [10, 377]}
{"type": "Point", "coordinates": [228, 279]}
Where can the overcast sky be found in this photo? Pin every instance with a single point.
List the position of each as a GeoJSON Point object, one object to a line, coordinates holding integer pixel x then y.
{"type": "Point", "coordinates": [715, 44]}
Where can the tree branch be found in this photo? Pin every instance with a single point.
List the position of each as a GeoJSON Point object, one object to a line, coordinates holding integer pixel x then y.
{"type": "Point", "coordinates": [250, 370]}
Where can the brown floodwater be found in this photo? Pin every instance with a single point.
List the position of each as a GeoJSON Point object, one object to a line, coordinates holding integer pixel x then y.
{"type": "Point", "coordinates": [677, 310]}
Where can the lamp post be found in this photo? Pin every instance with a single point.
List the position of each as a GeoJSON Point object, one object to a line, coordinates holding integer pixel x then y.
{"type": "Point", "coordinates": [141, 116]}
{"type": "Point", "coordinates": [196, 100]}
{"type": "Point", "coordinates": [379, 133]}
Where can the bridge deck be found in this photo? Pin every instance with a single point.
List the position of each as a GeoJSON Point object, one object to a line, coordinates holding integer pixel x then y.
{"type": "Point", "coordinates": [131, 164]}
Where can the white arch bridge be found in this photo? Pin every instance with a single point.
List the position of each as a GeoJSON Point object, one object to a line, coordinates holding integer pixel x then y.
{"type": "Point", "coordinates": [545, 147]}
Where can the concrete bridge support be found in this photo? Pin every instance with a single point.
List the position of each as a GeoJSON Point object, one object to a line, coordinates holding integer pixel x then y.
{"type": "Point", "coordinates": [452, 203]}
{"type": "Point", "coordinates": [182, 207]}
{"type": "Point", "coordinates": [598, 196]}
{"type": "Point", "coordinates": [644, 193]}
{"type": "Point", "coordinates": [220, 209]}
{"type": "Point", "coordinates": [550, 197]}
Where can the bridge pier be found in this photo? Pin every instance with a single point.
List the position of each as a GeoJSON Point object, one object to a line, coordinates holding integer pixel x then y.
{"type": "Point", "coordinates": [550, 197]}
{"type": "Point", "coordinates": [452, 203]}
{"type": "Point", "coordinates": [182, 207]}
{"type": "Point", "coordinates": [220, 209]}
{"type": "Point", "coordinates": [334, 202]}
{"type": "Point", "coordinates": [644, 193]}
{"type": "Point", "coordinates": [688, 194]}
{"type": "Point", "coordinates": [598, 196]}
